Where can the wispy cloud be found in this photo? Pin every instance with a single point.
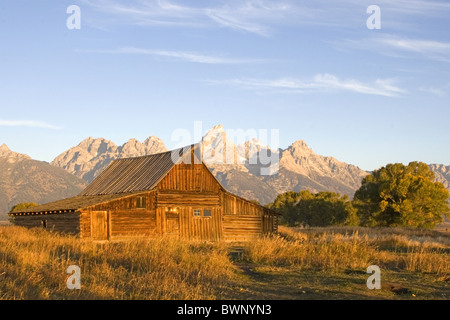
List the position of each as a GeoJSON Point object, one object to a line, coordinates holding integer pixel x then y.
{"type": "Point", "coordinates": [400, 8]}
{"type": "Point", "coordinates": [178, 55]}
{"type": "Point", "coordinates": [27, 123]}
{"type": "Point", "coordinates": [382, 87]}
{"type": "Point", "coordinates": [252, 16]}
{"type": "Point", "coordinates": [431, 49]}
{"type": "Point", "coordinates": [402, 47]}
{"type": "Point", "coordinates": [260, 17]}
{"type": "Point", "coordinates": [435, 91]}
{"type": "Point", "coordinates": [416, 7]}
{"type": "Point", "coordinates": [318, 83]}
{"type": "Point", "coordinates": [440, 91]}
{"type": "Point", "coordinates": [229, 21]}
{"type": "Point", "coordinates": [147, 12]}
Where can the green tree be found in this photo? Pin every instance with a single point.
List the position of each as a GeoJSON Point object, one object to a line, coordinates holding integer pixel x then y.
{"type": "Point", "coordinates": [285, 205]}
{"type": "Point", "coordinates": [19, 207]}
{"type": "Point", "coordinates": [399, 195]}
{"type": "Point", "coordinates": [325, 209]}
{"type": "Point", "coordinates": [23, 206]}
{"type": "Point", "coordinates": [320, 209]}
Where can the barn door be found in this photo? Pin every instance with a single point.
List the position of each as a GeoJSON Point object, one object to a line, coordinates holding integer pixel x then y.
{"type": "Point", "coordinates": [99, 225]}
{"type": "Point", "coordinates": [172, 223]}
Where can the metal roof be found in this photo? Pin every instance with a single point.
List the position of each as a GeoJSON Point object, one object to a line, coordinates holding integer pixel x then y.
{"type": "Point", "coordinates": [135, 174]}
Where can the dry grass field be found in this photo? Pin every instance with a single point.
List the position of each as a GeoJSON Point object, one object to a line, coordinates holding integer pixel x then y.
{"type": "Point", "coordinates": [317, 263]}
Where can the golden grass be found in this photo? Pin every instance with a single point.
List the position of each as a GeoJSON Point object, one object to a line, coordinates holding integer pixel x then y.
{"type": "Point", "coordinates": [33, 265]}
{"type": "Point", "coordinates": [33, 262]}
{"type": "Point", "coordinates": [338, 249]}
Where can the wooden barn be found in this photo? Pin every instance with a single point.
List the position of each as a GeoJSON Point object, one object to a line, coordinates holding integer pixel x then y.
{"type": "Point", "coordinates": [155, 195]}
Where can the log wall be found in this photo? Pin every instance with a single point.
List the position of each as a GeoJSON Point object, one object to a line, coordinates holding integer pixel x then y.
{"type": "Point", "coordinates": [189, 177]}
{"type": "Point", "coordinates": [244, 220]}
{"type": "Point", "coordinates": [124, 219]}
{"type": "Point", "coordinates": [236, 205]}
{"type": "Point", "coordinates": [185, 188]}
{"type": "Point", "coordinates": [167, 199]}
{"type": "Point", "coordinates": [61, 222]}
{"type": "Point", "coordinates": [242, 227]}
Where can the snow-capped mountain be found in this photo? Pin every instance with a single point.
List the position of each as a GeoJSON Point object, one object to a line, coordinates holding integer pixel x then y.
{"type": "Point", "coordinates": [239, 160]}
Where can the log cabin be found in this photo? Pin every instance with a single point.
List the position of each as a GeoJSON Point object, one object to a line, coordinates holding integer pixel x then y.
{"type": "Point", "coordinates": [171, 193]}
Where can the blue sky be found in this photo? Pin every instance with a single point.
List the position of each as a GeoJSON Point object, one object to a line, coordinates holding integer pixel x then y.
{"type": "Point", "coordinates": [311, 69]}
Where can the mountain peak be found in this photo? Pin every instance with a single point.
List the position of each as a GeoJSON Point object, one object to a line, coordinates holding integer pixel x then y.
{"type": "Point", "coordinates": [216, 133]}
{"type": "Point", "coordinates": [301, 146]}
{"type": "Point", "coordinates": [4, 148]}
{"type": "Point", "coordinates": [154, 144]}
{"type": "Point", "coordinates": [300, 143]}
{"type": "Point", "coordinates": [152, 138]}
{"type": "Point", "coordinates": [87, 140]}
{"type": "Point", "coordinates": [133, 140]}
{"type": "Point", "coordinates": [218, 127]}
{"type": "Point", "coordinates": [5, 152]}
{"type": "Point", "coordinates": [12, 156]}
{"type": "Point", "coordinates": [91, 141]}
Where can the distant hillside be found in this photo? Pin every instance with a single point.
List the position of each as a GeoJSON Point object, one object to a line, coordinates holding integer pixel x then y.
{"type": "Point", "coordinates": [442, 174]}
{"type": "Point", "coordinates": [25, 180]}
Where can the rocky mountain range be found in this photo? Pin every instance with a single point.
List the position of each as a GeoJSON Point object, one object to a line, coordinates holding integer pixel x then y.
{"type": "Point", "coordinates": [91, 156]}
{"type": "Point", "coordinates": [236, 165]}
{"type": "Point", "coordinates": [442, 174]}
{"type": "Point", "coordinates": [23, 179]}
{"type": "Point", "coordinates": [240, 166]}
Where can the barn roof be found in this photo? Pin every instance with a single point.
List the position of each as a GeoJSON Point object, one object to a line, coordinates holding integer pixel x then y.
{"type": "Point", "coordinates": [74, 203]}
{"type": "Point", "coordinates": [136, 174]}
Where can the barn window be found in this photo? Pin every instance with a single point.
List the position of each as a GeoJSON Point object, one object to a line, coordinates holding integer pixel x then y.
{"type": "Point", "coordinates": [140, 202]}
{"type": "Point", "coordinates": [44, 223]}
{"type": "Point", "coordinates": [202, 213]}
{"type": "Point", "coordinates": [207, 213]}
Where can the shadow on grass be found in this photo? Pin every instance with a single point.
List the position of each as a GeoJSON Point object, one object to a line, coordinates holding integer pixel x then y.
{"type": "Point", "coordinates": [275, 283]}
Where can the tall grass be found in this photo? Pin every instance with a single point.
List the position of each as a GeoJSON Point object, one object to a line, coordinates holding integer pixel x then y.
{"type": "Point", "coordinates": [33, 265]}
{"type": "Point", "coordinates": [352, 248]}
{"type": "Point", "coordinates": [33, 262]}
{"type": "Point", "coordinates": [426, 259]}
{"type": "Point", "coordinates": [324, 251]}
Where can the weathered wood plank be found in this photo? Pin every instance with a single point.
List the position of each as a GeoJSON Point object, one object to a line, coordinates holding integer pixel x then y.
{"type": "Point", "coordinates": [241, 227]}
{"type": "Point", "coordinates": [61, 222]}
{"type": "Point", "coordinates": [166, 199]}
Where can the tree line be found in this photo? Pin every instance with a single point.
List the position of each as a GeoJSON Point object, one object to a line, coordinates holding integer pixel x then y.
{"type": "Point", "coordinates": [394, 195]}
